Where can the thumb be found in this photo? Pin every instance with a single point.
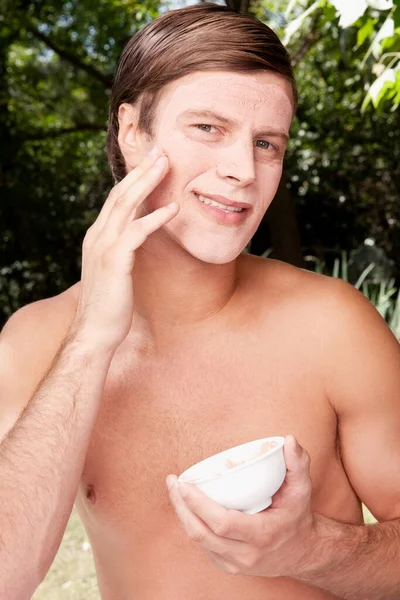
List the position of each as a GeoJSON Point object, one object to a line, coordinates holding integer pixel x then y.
{"type": "Point", "coordinates": [297, 462]}
{"type": "Point", "coordinates": [297, 485]}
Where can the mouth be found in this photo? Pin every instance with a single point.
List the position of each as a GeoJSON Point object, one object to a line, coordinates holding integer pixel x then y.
{"type": "Point", "coordinates": [223, 210]}
{"type": "Point", "coordinates": [222, 203]}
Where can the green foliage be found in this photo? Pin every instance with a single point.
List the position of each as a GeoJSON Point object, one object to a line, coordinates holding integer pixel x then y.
{"type": "Point", "coordinates": [384, 296]}
{"type": "Point", "coordinates": [56, 67]}
{"type": "Point", "coordinates": [378, 37]}
{"type": "Point", "coordinates": [343, 166]}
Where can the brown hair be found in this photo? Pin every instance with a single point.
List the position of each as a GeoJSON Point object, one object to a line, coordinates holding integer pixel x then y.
{"type": "Point", "coordinates": [201, 37]}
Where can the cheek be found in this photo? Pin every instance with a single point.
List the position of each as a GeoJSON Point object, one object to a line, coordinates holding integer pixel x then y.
{"type": "Point", "coordinates": [185, 166]}
{"type": "Point", "coordinates": [269, 185]}
{"type": "Point", "coordinates": [173, 188]}
{"type": "Point", "coordinates": [161, 195]}
{"type": "Point", "coordinates": [186, 155]}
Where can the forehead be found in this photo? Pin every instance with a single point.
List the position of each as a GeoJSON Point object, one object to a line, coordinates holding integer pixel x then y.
{"type": "Point", "coordinates": [237, 94]}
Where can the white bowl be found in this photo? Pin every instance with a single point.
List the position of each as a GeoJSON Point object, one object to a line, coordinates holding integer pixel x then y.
{"type": "Point", "coordinates": [248, 486]}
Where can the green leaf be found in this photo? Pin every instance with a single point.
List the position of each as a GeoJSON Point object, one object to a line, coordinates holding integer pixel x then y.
{"type": "Point", "coordinates": [365, 32]}
{"type": "Point", "coordinates": [336, 268]}
{"type": "Point", "coordinates": [295, 25]}
{"type": "Point", "coordinates": [396, 99]}
{"type": "Point", "coordinates": [383, 94]}
{"type": "Point", "coordinates": [396, 15]}
{"type": "Point", "coordinates": [363, 276]}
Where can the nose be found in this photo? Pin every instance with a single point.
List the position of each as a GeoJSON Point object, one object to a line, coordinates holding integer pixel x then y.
{"type": "Point", "coordinates": [236, 164]}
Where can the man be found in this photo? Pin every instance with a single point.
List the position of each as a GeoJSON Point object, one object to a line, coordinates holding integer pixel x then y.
{"type": "Point", "coordinates": [175, 346]}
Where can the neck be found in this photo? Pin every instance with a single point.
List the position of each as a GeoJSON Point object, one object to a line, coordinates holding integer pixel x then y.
{"type": "Point", "coordinates": [172, 288]}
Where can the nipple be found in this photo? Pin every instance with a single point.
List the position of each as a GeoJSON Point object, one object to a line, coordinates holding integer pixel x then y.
{"type": "Point", "coordinates": [91, 494]}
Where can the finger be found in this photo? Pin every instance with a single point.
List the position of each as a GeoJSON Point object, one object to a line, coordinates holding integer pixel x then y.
{"type": "Point", "coordinates": [147, 161]}
{"type": "Point", "coordinates": [122, 187]}
{"type": "Point", "coordinates": [297, 485]}
{"type": "Point", "coordinates": [297, 462]}
{"type": "Point", "coordinates": [124, 208]}
{"type": "Point", "coordinates": [139, 230]}
{"type": "Point", "coordinates": [221, 563]}
{"type": "Point", "coordinates": [198, 531]}
{"type": "Point", "coordinates": [218, 561]}
{"type": "Point", "coordinates": [228, 524]}
{"type": "Point", "coordinates": [136, 234]}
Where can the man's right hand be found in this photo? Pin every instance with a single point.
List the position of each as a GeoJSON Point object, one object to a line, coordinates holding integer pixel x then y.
{"type": "Point", "coordinates": [105, 307]}
{"type": "Point", "coordinates": [52, 400]}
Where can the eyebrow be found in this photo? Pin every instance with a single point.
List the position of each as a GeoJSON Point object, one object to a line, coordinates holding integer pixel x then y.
{"type": "Point", "coordinates": [199, 114]}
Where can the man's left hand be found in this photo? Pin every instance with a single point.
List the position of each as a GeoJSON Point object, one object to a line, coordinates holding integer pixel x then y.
{"type": "Point", "coordinates": [278, 541]}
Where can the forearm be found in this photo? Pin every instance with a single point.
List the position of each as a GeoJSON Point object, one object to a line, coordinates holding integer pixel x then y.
{"type": "Point", "coordinates": [356, 562]}
{"type": "Point", "coordinates": [41, 461]}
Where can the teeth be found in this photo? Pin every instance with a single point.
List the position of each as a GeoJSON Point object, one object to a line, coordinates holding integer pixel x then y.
{"type": "Point", "coordinates": [218, 205]}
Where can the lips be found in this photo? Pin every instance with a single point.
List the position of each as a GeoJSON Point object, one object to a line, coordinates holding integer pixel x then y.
{"type": "Point", "coordinates": [224, 201]}
{"type": "Point", "coordinates": [218, 210]}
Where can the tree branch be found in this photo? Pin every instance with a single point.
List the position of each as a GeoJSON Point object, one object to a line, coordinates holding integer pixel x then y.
{"type": "Point", "coordinates": [231, 4]}
{"type": "Point", "coordinates": [106, 80]}
{"type": "Point", "coordinates": [53, 133]}
{"type": "Point", "coordinates": [244, 6]}
{"type": "Point", "coordinates": [313, 36]}
{"type": "Point", "coordinates": [240, 6]}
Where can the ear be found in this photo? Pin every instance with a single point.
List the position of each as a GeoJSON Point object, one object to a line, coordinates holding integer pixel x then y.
{"type": "Point", "coordinates": [133, 144]}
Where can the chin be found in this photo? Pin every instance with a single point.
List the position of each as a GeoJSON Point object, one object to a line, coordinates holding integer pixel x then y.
{"type": "Point", "coordinates": [221, 259]}
{"type": "Point", "coordinates": [209, 246]}
{"type": "Point", "coordinates": [214, 256]}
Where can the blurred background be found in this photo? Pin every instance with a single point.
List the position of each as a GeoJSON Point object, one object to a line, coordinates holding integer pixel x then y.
{"type": "Point", "coordinates": [337, 210]}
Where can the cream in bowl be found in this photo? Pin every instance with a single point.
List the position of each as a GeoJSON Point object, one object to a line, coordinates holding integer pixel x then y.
{"type": "Point", "coordinates": [242, 478]}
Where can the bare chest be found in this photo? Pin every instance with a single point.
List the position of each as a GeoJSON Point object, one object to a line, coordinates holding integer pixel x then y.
{"type": "Point", "coordinates": [163, 416]}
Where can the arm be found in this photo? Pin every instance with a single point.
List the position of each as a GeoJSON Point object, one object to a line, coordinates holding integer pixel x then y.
{"type": "Point", "coordinates": [360, 360]}
{"type": "Point", "coordinates": [364, 387]}
{"type": "Point", "coordinates": [42, 457]}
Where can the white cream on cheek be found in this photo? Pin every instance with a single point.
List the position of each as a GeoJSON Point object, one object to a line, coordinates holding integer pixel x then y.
{"type": "Point", "coordinates": [252, 103]}
{"type": "Point", "coordinates": [255, 102]}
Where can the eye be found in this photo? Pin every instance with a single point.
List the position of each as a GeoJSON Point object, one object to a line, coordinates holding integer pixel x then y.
{"type": "Point", "coordinates": [204, 127]}
{"type": "Point", "coordinates": [266, 145]}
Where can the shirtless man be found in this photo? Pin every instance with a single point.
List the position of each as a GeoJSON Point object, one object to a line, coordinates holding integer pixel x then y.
{"type": "Point", "coordinates": [175, 346]}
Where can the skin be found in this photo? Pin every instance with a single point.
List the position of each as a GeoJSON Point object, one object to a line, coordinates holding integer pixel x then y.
{"type": "Point", "coordinates": [223, 349]}
{"type": "Point", "coordinates": [235, 161]}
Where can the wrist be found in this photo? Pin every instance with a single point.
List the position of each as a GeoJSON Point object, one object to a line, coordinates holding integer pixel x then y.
{"type": "Point", "coordinates": [83, 340]}
{"type": "Point", "coordinates": [333, 545]}
{"type": "Point", "coordinates": [308, 550]}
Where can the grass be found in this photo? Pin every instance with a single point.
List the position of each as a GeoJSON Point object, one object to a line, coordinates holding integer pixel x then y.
{"type": "Point", "coordinates": [385, 296]}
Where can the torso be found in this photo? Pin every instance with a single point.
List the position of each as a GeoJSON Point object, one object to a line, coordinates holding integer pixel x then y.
{"type": "Point", "coordinates": [253, 374]}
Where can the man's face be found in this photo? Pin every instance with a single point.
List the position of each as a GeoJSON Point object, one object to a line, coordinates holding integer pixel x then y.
{"type": "Point", "coordinates": [224, 134]}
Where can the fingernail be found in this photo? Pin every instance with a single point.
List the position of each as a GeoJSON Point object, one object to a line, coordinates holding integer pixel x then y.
{"type": "Point", "coordinates": [170, 481]}
{"type": "Point", "coordinates": [296, 446]}
{"type": "Point", "coordinates": [291, 439]}
{"type": "Point", "coordinates": [155, 151]}
{"type": "Point", "coordinates": [159, 163]}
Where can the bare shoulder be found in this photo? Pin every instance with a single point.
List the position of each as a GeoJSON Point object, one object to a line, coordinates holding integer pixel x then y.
{"type": "Point", "coordinates": [41, 325]}
{"type": "Point", "coordinates": [279, 279]}
{"type": "Point", "coordinates": [325, 301]}
{"type": "Point", "coordinates": [336, 325]}
{"type": "Point", "coordinates": [333, 320]}
{"type": "Point", "coordinates": [28, 343]}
